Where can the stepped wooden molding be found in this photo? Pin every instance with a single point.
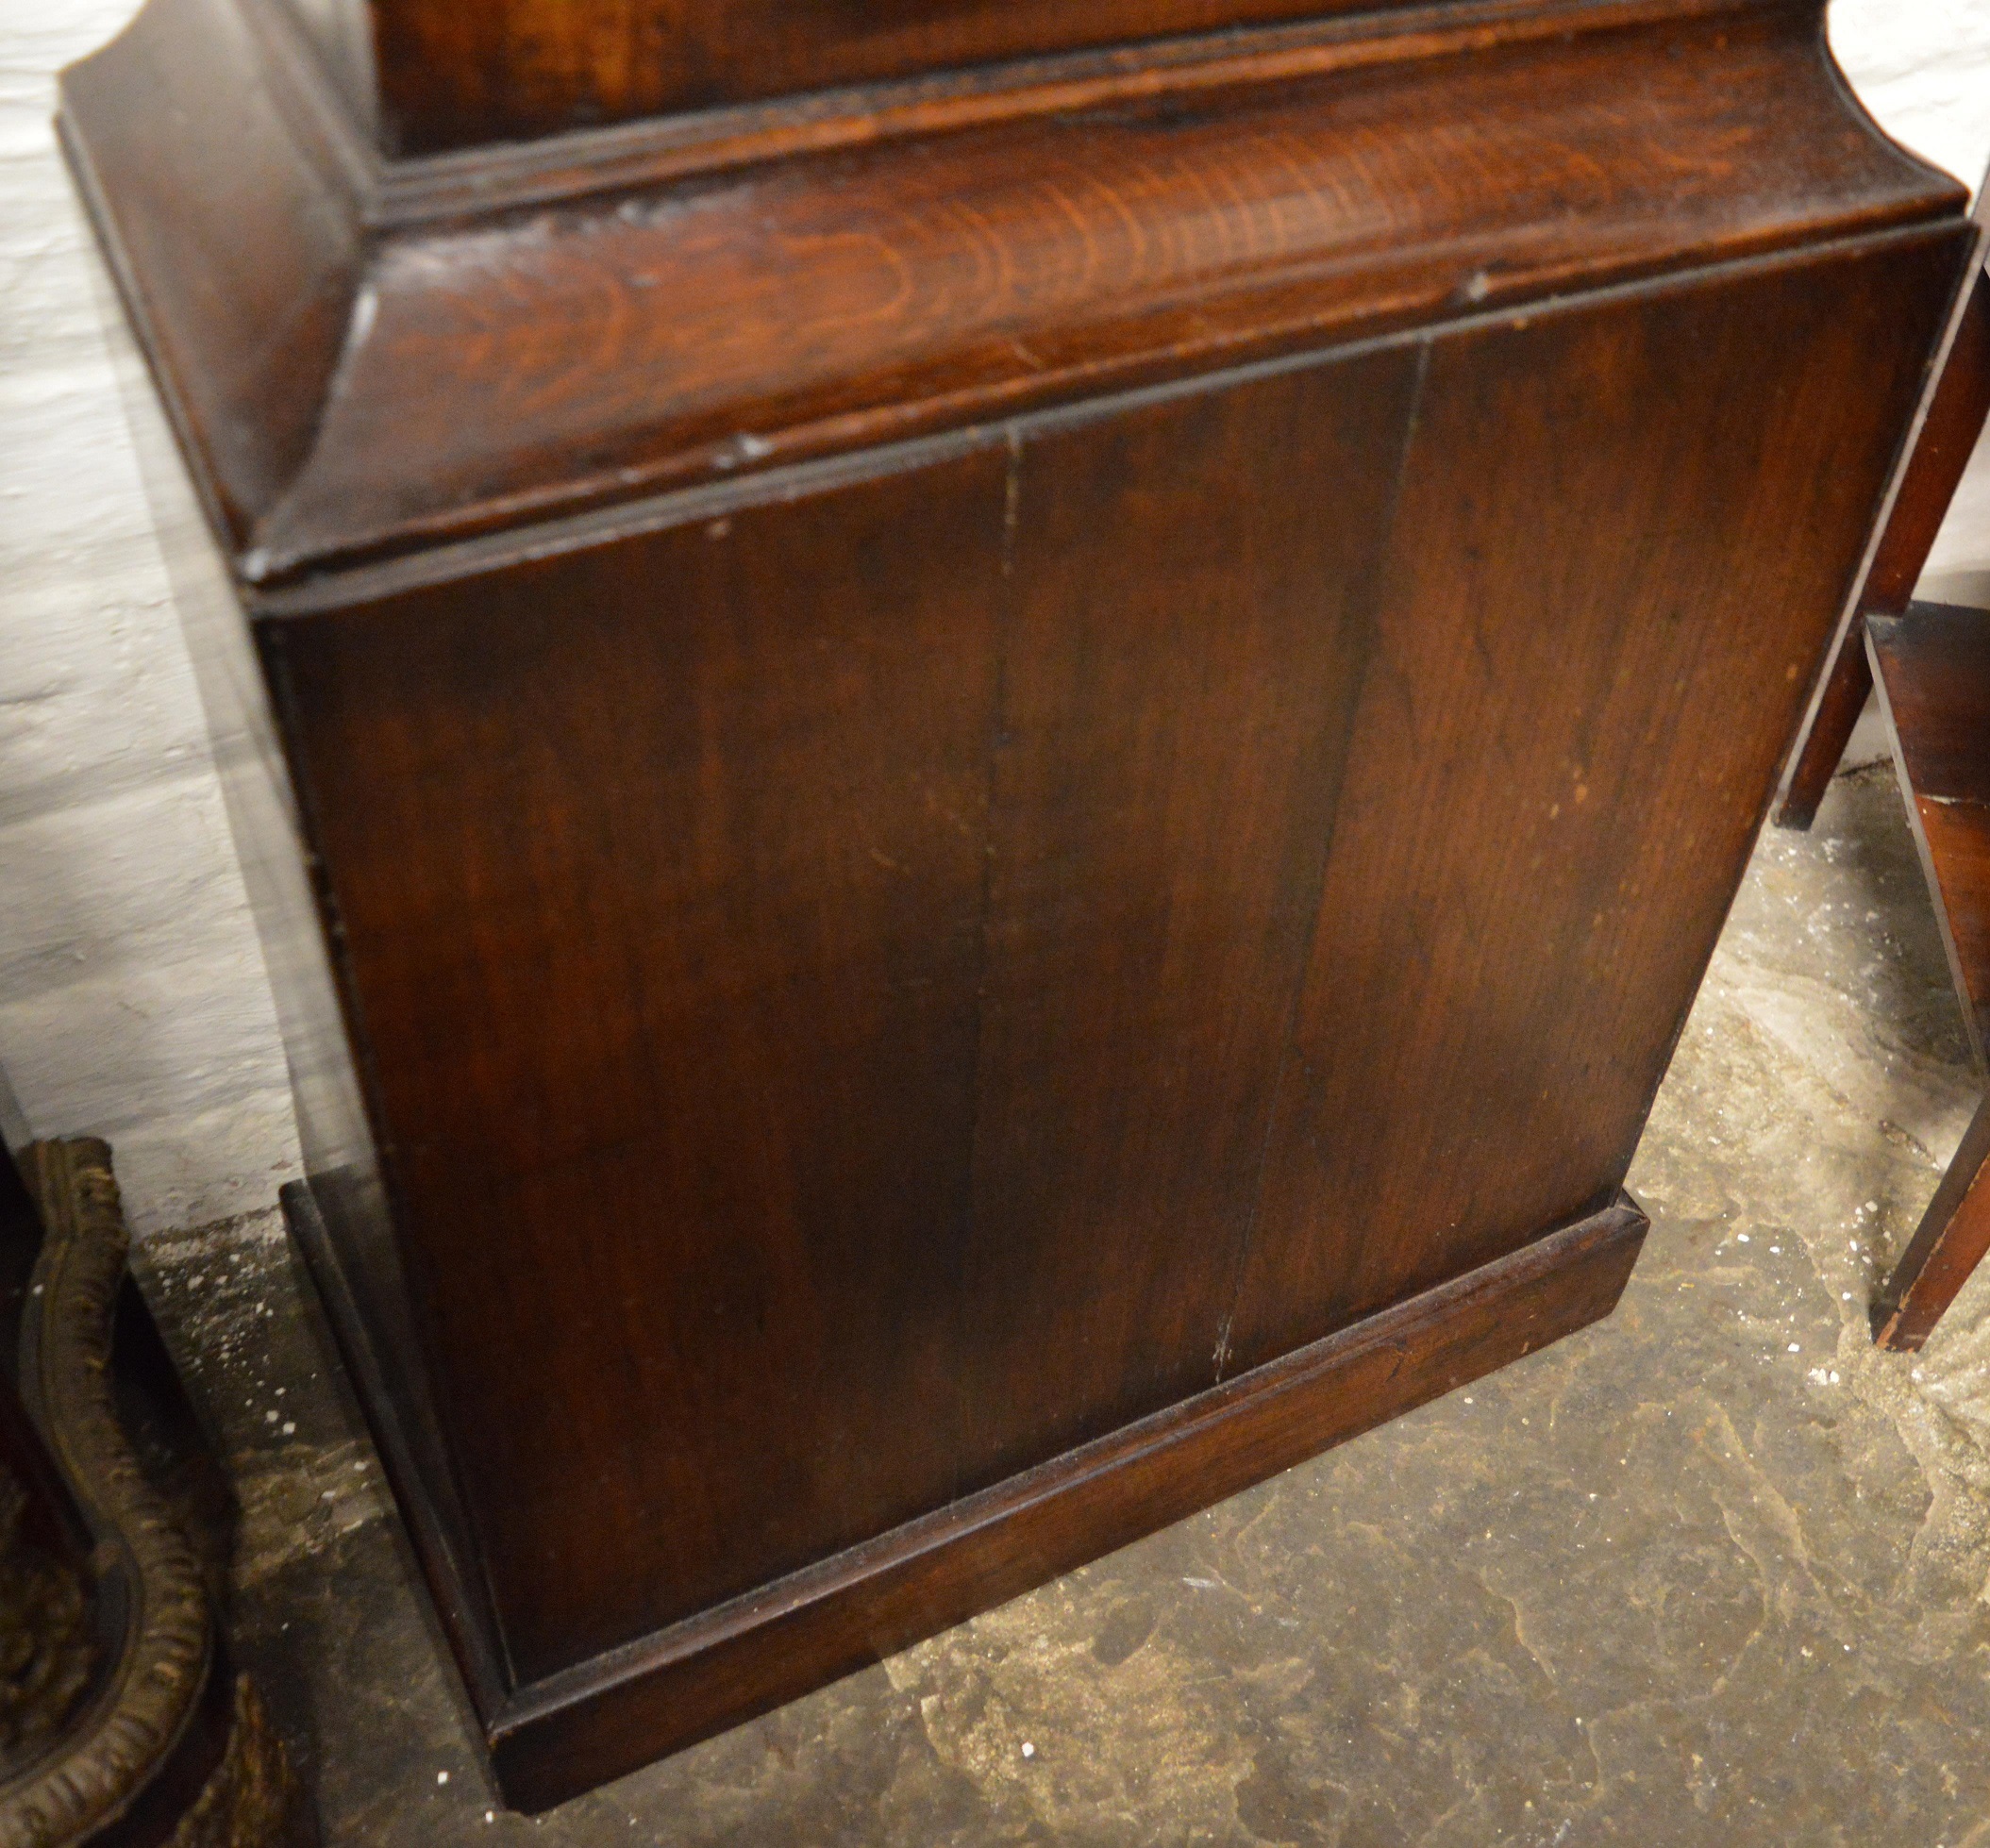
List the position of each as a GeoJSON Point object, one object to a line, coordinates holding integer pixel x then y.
{"type": "Point", "coordinates": [349, 392]}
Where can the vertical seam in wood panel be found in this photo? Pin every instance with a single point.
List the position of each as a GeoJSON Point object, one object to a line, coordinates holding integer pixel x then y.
{"type": "Point", "coordinates": [997, 717]}
{"type": "Point", "coordinates": [1304, 961]}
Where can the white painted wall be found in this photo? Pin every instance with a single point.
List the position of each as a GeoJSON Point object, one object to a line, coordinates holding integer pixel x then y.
{"type": "Point", "coordinates": [132, 998]}
{"type": "Point", "coordinates": [1923, 67]}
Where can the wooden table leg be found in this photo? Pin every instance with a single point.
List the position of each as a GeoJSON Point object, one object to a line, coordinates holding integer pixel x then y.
{"type": "Point", "coordinates": [1840, 701]}
{"type": "Point", "coordinates": [1958, 402]}
{"type": "Point", "coordinates": [1953, 1236]}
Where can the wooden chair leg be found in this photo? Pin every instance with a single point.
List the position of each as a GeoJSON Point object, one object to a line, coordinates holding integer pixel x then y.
{"type": "Point", "coordinates": [1840, 701]}
{"type": "Point", "coordinates": [1952, 418]}
{"type": "Point", "coordinates": [1953, 1236]}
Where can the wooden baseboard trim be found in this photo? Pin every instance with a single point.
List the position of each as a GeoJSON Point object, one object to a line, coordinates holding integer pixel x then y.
{"type": "Point", "coordinates": [609, 1715]}
{"type": "Point", "coordinates": [435, 1529]}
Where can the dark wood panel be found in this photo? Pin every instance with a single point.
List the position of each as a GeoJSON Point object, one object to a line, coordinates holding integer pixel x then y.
{"type": "Point", "coordinates": [708, 1674]}
{"type": "Point", "coordinates": [1934, 665]}
{"type": "Point", "coordinates": [1932, 668]}
{"type": "Point", "coordinates": [1957, 835]}
{"type": "Point", "coordinates": [657, 873]}
{"type": "Point", "coordinates": [455, 74]}
{"type": "Point", "coordinates": [1177, 693]}
{"type": "Point", "coordinates": [1165, 761]}
{"type": "Point", "coordinates": [1502, 959]}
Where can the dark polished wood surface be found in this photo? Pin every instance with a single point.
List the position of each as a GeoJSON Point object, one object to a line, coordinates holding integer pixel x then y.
{"type": "Point", "coordinates": [1934, 667]}
{"type": "Point", "coordinates": [901, 945]}
{"type": "Point", "coordinates": [1011, 787]}
{"type": "Point", "coordinates": [1952, 422]}
{"type": "Point", "coordinates": [1931, 666]}
{"type": "Point", "coordinates": [698, 1677]}
{"type": "Point", "coordinates": [1177, 699]}
{"type": "Point", "coordinates": [664, 919]}
{"type": "Point", "coordinates": [1946, 1246]}
{"type": "Point", "coordinates": [1941, 452]}
{"type": "Point", "coordinates": [454, 75]}
{"type": "Point", "coordinates": [1538, 680]}
{"type": "Point", "coordinates": [448, 379]}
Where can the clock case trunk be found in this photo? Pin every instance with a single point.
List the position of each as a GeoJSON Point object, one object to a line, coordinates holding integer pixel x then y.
{"type": "Point", "coordinates": [983, 800]}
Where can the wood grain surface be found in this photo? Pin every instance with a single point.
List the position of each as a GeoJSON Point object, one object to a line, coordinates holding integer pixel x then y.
{"type": "Point", "coordinates": [454, 75]}
{"type": "Point", "coordinates": [923, 943]}
{"type": "Point", "coordinates": [1176, 704]}
{"type": "Point", "coordinates": [444, 380]}
{"type": "Point", "coordinates": [1959, 401]}
{"type": "Point", "coordinates": [1501, 964]}
{"type": "Point", "coordinates": [576, 1730]}
{"type": "Point", "coordinates": [662, 919]}
{"type": "Point", "coordinates": [1932, 668]}
{"type": "Point", "coordinates": [1010, 815]}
